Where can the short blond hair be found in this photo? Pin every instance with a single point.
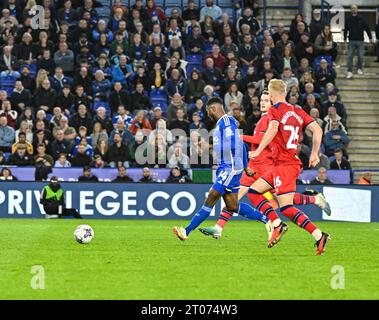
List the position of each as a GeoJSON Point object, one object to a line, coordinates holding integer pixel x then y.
{"type": "Point", "coordinates": [278, 86]}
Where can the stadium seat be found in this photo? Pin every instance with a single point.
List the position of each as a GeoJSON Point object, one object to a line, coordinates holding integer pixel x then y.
{"type": "Point", "coordinates": [195, 58]}
{"type": "Point", "coordinates": [158, 96]}
{"type": "Point", "coordinates": [191, 66]}
{"type": "Point", "coordinates": [32, 69]}
{"type": "Point", "coordinates": [7, 83]}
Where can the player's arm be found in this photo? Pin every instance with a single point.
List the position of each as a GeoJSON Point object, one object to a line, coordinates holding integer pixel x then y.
{"type": "Point", "coordinates": [270, 134]}
{"type": "Point", "coordinates": [255, 139]}
{"type": "Point", "coordinates": [316, 143]}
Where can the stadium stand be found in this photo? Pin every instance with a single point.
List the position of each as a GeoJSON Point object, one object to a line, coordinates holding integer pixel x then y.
{"type": "Point", "coordinates": [269, 39]}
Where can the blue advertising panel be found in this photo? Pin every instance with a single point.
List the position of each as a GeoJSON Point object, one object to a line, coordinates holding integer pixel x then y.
{"type": "Point", "coordinates": [169, 201]}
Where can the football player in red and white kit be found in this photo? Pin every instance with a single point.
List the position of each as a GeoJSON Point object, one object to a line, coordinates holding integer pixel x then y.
{"type": "Point", "coordinates": [286, 123]}
{"type": "Point", "coordinates": [259, 166]}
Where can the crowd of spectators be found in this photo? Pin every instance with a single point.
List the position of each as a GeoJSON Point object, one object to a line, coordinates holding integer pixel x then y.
{"type": "Point", "coordinates": [86, 90]}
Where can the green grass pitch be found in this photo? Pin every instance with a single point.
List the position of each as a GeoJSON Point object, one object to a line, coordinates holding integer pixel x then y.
{"type": "Point", "coordinates": [143, 260]}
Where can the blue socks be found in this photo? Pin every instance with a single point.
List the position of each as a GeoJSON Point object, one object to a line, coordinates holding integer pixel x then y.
{"type": "Point", "coordinates": [250, 213]}
{"type": "Point", "coordinates": [199, 217]}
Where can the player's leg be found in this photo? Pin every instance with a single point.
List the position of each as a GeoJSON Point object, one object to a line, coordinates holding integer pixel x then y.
{"type": "Point", "coordinates": [225, 215]}
{"type": "Point", "coordinates": [318, 199]}
{"type": "Point", "coordinates": [259, 201]}
{"type": "Point", "coordinates": [200, 216]}
{"type": "Point", "coordinates": [285, 194]}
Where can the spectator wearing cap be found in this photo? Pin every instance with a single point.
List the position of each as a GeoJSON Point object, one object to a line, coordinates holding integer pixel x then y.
{"type": "Point", "coordinates": [355, 26]}
{"type": "Point", "coordinates": [325, 74]}
{"type": "Point", "coordinates": [333, 102]}
{"type": "Point", "coordinates": [317, 24]}
{"type": "Point", "coordinates": [87, 175]}
{"type": "Point", "coordinates": [7, 135]}
{"type": "Point", "coordinates": [321, 178]}
{"type": "Point", "coordinates": [305, 49]}
{"type": "Point", "coordinates": [157, 115]}
{"type": "Point", "coordinates": [22, 140]}
{"type": "Point", "coordinates": [335, 138]}
{"type": "Point", "coordinates": [20, 157]}
{"type": "Point", "coordinates": [324, 43]}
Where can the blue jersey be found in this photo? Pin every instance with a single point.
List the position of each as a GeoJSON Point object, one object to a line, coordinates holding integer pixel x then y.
{"type": "Point", "coordinates": [231, 155]}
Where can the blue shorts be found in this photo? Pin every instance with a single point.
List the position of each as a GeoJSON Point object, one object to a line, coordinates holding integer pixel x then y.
{"type": "Point", "coordinates": [227, 180]}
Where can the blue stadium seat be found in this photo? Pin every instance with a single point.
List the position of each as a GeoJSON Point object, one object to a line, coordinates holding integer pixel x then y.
{"type": "Point", "coordinates": [7, 83]}
{"type": "Point", "coordinates": [158, 96]}
{"type": "Point", "coordinates": [103, 12]}
{"type": "Point", "coordinates": [191, 66]}
{"type": "Point", "coordinates": [195, 58]}
{"type": "Point", "coordinates": [225, 3]}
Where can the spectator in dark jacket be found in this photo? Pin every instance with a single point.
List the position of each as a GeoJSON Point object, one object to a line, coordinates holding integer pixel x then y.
{"type": "Point", "coordinates": [317, 24]}
{"type": "Point", "coordinates": [177, 176]}
{"type": "Point", "coordinates": [82, 119]}
{"type": "Point", "coordinates": [176, 84]}
{"type": "Point", "coordinates": [305, 49]}
{"type": "Point", "coordinates": [122, 176]}
{"type": "Point", "coordinates": [119, 153]}
{"type": "Point", "coordinates": [20, 97]}
{"type": "Point", "coordinates": [325, 74]}
{"type": "Point", "coordinates": [321, 178]}
{"type": "Point", "coordinates": [44, 97]}
{"type": "Point", "coordinates": [334, 139]}
{"type": "Point", "coordinates": [87, 175]}
{"type": "Point", "coordinates": [339, 163]}
{"type": "Point", "coordinates": [118, 97]}
{"type": "Point", "coordinates": [139, 100]}
{"type": "Point", "coordinates": [81, 159]}
{"type": "Point", "coordinates": [60, 145]}
{"type": "Point", "coordinates": [21, 157]}
{"type": "Point", "coordinates": [146, 176]}
{"type": "Point", "coordinates": [355, 26]}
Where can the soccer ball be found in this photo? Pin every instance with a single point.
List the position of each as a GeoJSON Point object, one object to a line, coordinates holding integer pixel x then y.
{"type": "Point", "coordinates": [84, 233]}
